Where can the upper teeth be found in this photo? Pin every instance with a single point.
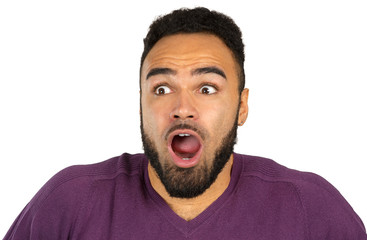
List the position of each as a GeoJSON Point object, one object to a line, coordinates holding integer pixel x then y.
{"type": "Point", "coordinates": [184, 135]}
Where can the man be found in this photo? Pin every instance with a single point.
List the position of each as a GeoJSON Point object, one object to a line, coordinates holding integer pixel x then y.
{"type": "Point", "coordinates": [189, 184]}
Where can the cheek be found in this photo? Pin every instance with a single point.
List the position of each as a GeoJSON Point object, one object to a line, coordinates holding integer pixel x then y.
{"type": "Point", "coordinates": [154, 117]}
{"type": "Point", "coordinates": [220, 114]}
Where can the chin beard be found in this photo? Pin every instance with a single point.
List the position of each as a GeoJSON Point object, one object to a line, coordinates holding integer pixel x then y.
{"type": "Point", "coordinates": [189, 182]}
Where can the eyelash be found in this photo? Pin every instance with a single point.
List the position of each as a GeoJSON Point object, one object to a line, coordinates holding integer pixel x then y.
{"type": "Point", "coordinates": [209, 84]}
{"type": "Point", "coordinates": [155, 87]}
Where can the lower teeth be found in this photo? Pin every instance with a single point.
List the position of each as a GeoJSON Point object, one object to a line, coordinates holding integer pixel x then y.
{"type": "Point", "coordinates": [186, 158]}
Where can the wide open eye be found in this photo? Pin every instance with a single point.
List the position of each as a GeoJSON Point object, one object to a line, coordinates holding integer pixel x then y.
{"type": "Point", "coordinates": [207, 89]}
{"type": "Point", "coordinates": [161, 90]}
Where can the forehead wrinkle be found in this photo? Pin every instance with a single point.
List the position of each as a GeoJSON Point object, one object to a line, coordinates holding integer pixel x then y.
{"type": "Point", "coordinates": [182, 57]}
{"type": "Point", "coordinates": [185, 53]}
{"type": "Point", "coordinates": [177, 63]}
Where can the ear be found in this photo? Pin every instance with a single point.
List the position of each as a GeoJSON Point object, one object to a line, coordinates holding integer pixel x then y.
{"type": "Point", "coordinates": [243, 109]}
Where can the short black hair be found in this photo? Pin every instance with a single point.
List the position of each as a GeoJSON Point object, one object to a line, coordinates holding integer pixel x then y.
{"type": "Point", "coordinates": [198, 20]}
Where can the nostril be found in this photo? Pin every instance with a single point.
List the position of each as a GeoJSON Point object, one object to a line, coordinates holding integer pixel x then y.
{"type": "Point", "coordinates": [177, 116]}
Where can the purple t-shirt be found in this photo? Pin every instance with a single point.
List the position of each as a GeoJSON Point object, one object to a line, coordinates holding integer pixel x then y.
{"type": "Point", "coordinates": [115, 200]}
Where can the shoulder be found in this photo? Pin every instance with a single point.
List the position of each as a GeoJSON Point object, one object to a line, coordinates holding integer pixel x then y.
{"type": "Point", "coordinates": [325, 209]}
{"type": "Point", "coordinates": [56, 206]}
{"type": "Point", "coordinates": [80, 177]}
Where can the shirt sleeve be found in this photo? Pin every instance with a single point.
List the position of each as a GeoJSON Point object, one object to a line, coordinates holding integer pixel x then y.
{"type": "Point", "coordinates": [328, 214]}
{"type": "Point", "coordinates": [53, 211]}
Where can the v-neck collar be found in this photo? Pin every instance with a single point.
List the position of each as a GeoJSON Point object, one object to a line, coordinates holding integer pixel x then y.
{"type": "Point", "coordinates": [187, 227]}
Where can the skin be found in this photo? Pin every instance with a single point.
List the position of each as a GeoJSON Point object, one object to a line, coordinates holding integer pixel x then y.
{"type": "Point", "coordinates": [206, 99]}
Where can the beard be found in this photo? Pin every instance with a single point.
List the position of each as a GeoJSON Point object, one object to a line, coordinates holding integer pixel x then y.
{"type": "Point", "coordinates": [189, 182]}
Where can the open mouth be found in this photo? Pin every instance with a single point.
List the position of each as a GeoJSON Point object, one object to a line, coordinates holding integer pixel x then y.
{"type": "Point", "coordinates": [185, 147]}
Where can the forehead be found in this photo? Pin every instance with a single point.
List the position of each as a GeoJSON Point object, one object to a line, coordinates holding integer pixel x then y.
{"type": "Point", "coordinates": [187, 51]}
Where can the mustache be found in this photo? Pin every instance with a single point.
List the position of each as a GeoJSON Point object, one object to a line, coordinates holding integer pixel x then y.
{"type": "Point", "coordinates": [200, 131]}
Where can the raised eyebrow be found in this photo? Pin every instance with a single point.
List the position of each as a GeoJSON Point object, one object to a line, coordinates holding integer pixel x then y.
{"type": "Point", "coordinates": [157, 71]}
{"type": "Point", "coordinates": [205, 70]}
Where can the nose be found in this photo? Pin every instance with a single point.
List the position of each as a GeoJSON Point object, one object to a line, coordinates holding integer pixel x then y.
{"type": "Point", "coordinates": [184, 107]}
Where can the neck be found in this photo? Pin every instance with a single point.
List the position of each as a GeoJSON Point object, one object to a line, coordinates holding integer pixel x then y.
{"type": "Point", "coordinates": [189, 208]}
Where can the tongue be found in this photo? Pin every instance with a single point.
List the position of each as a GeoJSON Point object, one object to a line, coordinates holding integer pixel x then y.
{"type": "Point", "coordinates": [185, 146]}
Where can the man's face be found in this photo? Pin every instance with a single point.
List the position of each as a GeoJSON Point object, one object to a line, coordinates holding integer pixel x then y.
{"type": "Point", "coordinates": [190, 108]}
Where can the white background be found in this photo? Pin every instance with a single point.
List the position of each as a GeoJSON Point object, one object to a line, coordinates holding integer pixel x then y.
{"type": "Point", "coordinates": [69, 88]}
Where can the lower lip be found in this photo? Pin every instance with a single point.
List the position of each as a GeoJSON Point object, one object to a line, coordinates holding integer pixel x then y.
{"type": "Point", "coordinates": [179, 162]}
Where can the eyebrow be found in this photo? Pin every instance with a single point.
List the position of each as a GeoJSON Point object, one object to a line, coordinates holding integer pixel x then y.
{"type": "Point", "coordinates": [198, 71]}
{"type": "Point", "coordinates": [205, 70]}
{"type": "Point", "coordinates": [157, 71]}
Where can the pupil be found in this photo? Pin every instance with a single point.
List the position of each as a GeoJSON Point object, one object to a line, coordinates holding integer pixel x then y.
{"type": "Point", "coordinates": [161, 91]}
{"type": "Point", "coordinates": [205, 90]}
